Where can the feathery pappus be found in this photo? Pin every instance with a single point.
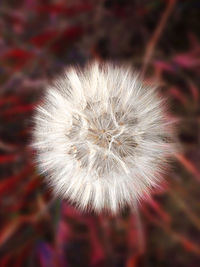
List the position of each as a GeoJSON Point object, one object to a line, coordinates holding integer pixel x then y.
{"type": "Point", "coordinates": [102, 137]}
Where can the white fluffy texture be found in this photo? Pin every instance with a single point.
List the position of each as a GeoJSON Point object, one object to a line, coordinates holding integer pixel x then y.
{"type": "Point", "coordinates": [102, 137]}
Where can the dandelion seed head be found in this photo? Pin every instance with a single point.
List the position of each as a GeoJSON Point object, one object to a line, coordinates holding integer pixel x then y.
{"type": "Point", "coordinates": [102, 137]}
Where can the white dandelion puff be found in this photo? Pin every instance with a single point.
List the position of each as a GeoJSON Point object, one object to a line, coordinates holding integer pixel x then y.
{"type": "Point", "coordinates": [102, 137]}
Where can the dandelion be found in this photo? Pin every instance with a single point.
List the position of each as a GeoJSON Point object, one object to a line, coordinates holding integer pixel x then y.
{"type": "Point", "coordinates": [102, 137]}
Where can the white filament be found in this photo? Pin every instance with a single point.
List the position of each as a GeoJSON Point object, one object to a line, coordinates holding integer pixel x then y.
{"type": "Point", "coordinates": [101, 137]}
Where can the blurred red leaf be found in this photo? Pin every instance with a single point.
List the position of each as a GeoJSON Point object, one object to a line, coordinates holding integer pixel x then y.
{"type": "Point", "coordinates": [194, 91]}
{"type": "Point", "coordinates": [4, 261]}
{"type": "Point", "coordinates": [60, 8]}
{"type": "Point", "coordinates": [33, 184]}
{"type": "Point", "coordinates": [188, 165]}
{"type": "Point", "coordinates": [7, 158]}
{"type": "Point", "coordinates": [54, 37]}
{"type": "Point", "coordinates": [97, 250]}
{"type": "Point", "coordinates": [43, 39]}
{"type": "Point", "coordinates": [163, 66]}
{"type": "Point", "coordinates": [19, 109]}
{"type": "Point", "coordinates": [8, 230]}
{"type": "Point", "coordinates": [133, 260]}
{"type": "Point", "coordinates": [18, 53]}
{"type": "Point", "coordinates": [187, 60]}
{"type": "Point", "coordinates": [9, 100]}
{"type": "Point", "coordinates": [189, 245]}
{"type": "Point", "coordinates": [17, 57]}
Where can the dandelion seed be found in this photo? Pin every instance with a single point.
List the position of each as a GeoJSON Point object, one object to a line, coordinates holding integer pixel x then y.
{"type": "Point", "coordinates": [102, 137]}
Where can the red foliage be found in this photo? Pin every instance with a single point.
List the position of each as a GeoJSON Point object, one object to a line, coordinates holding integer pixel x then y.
{"type": "Point", "coordinates": [57, 39]}
{"type": "Point", "coordinates": [59, 8]}
{"type": "Point", "coordinates": [17, 57]}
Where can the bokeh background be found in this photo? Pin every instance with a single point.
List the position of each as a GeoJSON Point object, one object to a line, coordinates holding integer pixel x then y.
{"type": "Point", "coordinates": [38, 39]}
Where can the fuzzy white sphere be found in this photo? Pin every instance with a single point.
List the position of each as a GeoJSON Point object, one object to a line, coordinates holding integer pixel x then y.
{"type": "Point", "coordinates": [101, 136]}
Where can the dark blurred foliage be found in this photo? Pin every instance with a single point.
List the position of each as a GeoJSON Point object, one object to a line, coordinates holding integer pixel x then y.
{"type": "Point", "coordinates": [38, 39]}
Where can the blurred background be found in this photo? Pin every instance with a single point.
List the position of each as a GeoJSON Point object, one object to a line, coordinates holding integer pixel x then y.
{"type": "Point", "coordinates": [38, 39]}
